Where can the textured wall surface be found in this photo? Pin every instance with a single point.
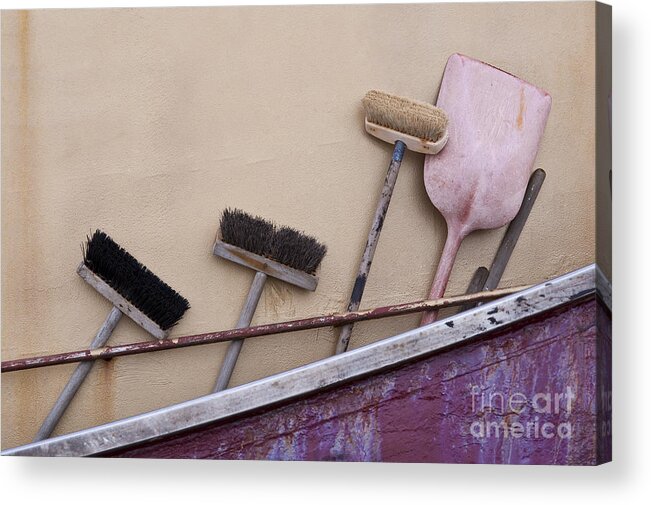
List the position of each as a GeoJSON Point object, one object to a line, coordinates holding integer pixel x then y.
{"type": "Point", "coordinates": [148, 122]}
{"type": "Point", "coordinates": [524, 396]}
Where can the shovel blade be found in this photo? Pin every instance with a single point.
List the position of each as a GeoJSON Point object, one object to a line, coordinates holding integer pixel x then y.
{"type": "Point", "coordinates": [496, 125]}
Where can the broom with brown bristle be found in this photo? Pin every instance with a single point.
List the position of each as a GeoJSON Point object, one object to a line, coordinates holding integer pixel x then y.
{"type": "Point", "coordinates": [408, 124]}
{"type": "Point", "coordinates": [277, 251]}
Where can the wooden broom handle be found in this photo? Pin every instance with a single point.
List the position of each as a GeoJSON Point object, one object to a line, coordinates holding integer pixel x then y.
{"type": "Point", "coordinates": [234, 348]}
{"type": "Point", "coordinates": [78, 377]}
{"type": "Point", "coordinates": [371, 242]}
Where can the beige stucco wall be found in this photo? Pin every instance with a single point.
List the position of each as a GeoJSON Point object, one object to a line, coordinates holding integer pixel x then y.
{"type": "Point", "coordinates": [147, 123]}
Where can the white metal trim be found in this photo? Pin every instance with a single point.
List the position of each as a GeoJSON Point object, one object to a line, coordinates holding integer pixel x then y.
{"type": "Point", "coordinates": [604, 288]}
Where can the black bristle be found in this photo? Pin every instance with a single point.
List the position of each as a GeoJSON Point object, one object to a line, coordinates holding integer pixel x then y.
{"type": "Point", "coordinates": [282, 244]}
{"type": "Point", "coordinates": [134, 281]}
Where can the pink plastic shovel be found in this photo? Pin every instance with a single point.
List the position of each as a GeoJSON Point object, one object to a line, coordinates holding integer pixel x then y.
{"type": "Point", "coordinates": [478, 181]}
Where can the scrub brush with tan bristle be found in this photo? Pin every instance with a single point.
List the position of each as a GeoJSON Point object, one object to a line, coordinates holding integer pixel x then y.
{"type": "Point", "coordinates": [422, 127]}
{"type": "Point", "coordinates": [406, 123]}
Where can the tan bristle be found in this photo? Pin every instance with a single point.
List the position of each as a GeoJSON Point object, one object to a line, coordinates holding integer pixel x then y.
{"type": "Point", "coordinates": [418, 119]}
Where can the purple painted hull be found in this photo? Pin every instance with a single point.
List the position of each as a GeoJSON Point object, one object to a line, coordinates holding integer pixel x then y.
{"type": "Point", "coordinates": [534, 394]}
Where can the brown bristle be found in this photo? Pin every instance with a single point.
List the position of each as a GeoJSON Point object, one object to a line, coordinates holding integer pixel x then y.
{"type": "Point", "coordinates": [282, 244]}
{"type": "Point", "coordinates": [297, 250]}
{"type": "Point", "coordinates": [243, 230]}
{"type": "Point", "coordinates": [418, 119]}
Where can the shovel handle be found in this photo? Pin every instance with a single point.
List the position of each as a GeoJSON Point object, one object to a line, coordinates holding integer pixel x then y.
{"type": "Point", "coordinates": [443, 271]}
{"type": "Point", "coordinates": [510, 239]}
{"type": "Point", "coordinates": [371, 242]}
{"type": "Point", "coordinates": [487, 281]}
{"type": "Point", "coordinates": [475, 286]}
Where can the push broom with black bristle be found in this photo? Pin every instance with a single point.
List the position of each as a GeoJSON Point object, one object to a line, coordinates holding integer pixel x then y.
{"type": "Point", "coordinates": [407, 124]}
{"type": "Point", "coordinates": [277, 251]}
{"type": "Point", "coordinates": [134, 291]}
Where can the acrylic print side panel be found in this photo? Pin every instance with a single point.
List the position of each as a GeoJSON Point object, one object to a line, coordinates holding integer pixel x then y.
{"type": "Point", "coordinates": [603, 196]}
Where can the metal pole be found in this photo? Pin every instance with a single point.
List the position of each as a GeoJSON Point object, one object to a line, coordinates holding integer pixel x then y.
{"type": "Point", "coordinates": [252, 331]}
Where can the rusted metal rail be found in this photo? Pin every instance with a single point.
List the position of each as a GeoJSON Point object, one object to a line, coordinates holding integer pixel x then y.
{"type": "Point", "coordinates": [253, 331]}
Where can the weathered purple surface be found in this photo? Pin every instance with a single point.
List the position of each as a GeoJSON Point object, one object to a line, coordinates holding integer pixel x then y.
{"type": "Point", "coordinates": [604, 384]}
{"type": "Point", "coordinates": [434, 410]}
